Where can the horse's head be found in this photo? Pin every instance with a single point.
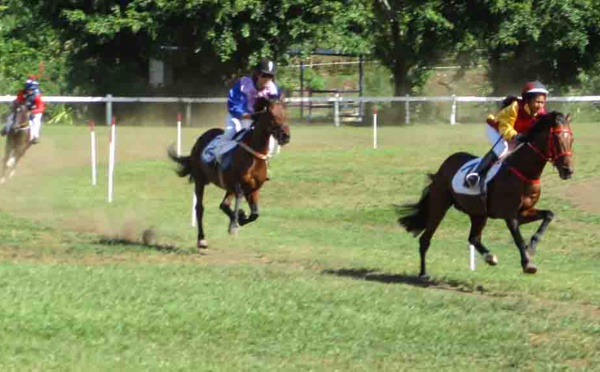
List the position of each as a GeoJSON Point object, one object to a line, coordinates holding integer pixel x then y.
{"type": "Point", "coordinates": [21, 117]}
{"type": "Point", "coordinates": [552, 138]}
{"type": "Point", "coordinates": [272, 114]}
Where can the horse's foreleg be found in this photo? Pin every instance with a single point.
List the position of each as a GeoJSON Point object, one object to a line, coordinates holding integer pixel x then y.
{"type": "Point", "coordinates": [252, 200]}
{"type": "Point", "coordinates": [513, 226]}
{"type": "Point", "coordinates": [532, 215]}
{"type": "Point", "coordinates": [477, 225]}
{"type": "Point", "coordinates": [233, 223]}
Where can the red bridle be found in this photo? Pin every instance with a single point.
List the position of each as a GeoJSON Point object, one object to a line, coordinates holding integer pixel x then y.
{"type": "Point", "coordinates": [550, 155]}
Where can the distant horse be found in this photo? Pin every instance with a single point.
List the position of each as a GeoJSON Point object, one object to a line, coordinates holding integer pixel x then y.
{"type": "Point", "coordinates": [17, 142]}
{"type": "Point", "coordinates": [511, 195]}
{"type": "Point", "coordinates": [248, 169]}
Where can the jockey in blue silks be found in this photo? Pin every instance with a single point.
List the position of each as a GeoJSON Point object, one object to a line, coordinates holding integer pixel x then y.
{"type": "Point", "coordinates": [241, 100]}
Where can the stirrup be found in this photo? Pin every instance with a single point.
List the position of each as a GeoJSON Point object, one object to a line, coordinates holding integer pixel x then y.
{"type": "Point", "coordinates": [472, 179]}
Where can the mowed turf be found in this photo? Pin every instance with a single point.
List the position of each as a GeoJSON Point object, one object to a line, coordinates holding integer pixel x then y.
{"type": "Point", "coordinates": [324, 280]}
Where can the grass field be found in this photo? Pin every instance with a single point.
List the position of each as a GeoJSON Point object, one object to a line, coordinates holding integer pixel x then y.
{"type": "Point", "coordinates": [324, 280]}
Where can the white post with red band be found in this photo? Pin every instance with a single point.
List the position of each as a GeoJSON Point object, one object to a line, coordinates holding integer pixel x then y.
{"type": "Point", "coordinates": [93, 152]}
{"type": "Point", "coordinates": [111, 159]}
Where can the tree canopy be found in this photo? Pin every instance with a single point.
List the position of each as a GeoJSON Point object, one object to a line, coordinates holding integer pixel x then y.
{"type": "Point", "coordinates": [102, 46]}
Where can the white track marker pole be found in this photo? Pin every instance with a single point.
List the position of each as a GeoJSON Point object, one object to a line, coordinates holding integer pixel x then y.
{"type": "Point", "coordinates": [93, 152]}
{"type": "Point", "coordinates": [374, 127]}
{"type": "Point", "coordinates": [111, 159]}
{"type": "Point", "coordinates": [194, 201]}
{"type": "Point", "coordinates": [472, 257]}
{"type": "Point", "coordinates": [178, 134]}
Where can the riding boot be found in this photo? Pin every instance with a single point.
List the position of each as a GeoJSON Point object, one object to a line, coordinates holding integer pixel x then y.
{"type": "Point", "coordinates": [480, 171]}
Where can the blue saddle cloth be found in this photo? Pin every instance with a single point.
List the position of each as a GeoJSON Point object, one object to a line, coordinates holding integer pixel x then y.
{"type": "Point", "coordinates": [209, 156]}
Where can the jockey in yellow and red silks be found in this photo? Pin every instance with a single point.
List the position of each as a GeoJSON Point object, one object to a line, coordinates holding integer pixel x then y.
{"type": "Point", "coordinates": [508, 126]}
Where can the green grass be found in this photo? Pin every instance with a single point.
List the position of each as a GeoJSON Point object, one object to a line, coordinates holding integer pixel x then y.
{"type": "Point", "coordinates": [324, 280]}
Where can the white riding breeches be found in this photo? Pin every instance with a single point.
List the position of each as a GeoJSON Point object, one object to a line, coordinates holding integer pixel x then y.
{"type": "Point", "coordinates": [501, 146]}
{"type": "Point", "coordinates": [35, 122]}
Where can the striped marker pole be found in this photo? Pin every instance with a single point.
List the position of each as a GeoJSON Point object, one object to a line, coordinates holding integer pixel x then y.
{"type": "Point", "coordinates": [375, 127]}
{"type": "Point", "coordinates": [93, 152]}
{"type": "Point", "coordinates": [111, 159]}
{"type": "Point", "coordinates": [178, 134]}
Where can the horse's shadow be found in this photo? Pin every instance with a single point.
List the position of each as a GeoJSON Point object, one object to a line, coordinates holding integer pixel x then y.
{"type": "Point", "coordinates": [376, 276]}
{"type": "Point", "coordinates": [129, 242]}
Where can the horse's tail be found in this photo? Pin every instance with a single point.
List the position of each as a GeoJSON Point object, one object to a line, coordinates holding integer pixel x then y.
{"type": "Point", "coordinates": [413, 217]}
{"type": "Point", "coordinates": [185, 165]}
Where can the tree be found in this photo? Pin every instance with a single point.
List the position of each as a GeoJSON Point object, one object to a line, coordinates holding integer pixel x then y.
{"type": "Point", "coordinates": [411, 35]}
{"type": "Point", "coordinates": [549, 40]}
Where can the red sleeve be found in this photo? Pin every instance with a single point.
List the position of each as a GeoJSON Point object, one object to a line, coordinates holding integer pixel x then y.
{"type": "Point", "coordinates": [40, 106]}
{"type": "Point", "coordinates": [20, 97]}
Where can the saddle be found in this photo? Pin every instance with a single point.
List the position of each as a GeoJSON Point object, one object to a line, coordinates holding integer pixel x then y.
{"type": "Point", "coordinates": [218, 153]}
{"type": "Point", "coordinates": [458, 184]}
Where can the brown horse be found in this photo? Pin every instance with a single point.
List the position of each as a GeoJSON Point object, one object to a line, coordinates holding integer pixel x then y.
{"type": "Point", "coordinates": [17, 142]}
{"type": "Point", "coordinates": [248, 169]}
{"type": "Point", "coordinates": [511, 195]}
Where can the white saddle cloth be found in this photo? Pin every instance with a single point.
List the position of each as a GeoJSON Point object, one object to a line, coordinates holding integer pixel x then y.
{"type": "Point", "coordinates": [458, 181]}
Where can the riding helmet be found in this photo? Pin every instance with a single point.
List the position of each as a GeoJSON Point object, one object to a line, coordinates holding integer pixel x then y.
{"type": "Point", "coordinates": [266, 66]}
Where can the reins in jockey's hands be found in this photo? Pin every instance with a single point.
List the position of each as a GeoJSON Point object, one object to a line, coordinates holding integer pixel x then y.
{"type": "Point", "coordinates": [521, 138]}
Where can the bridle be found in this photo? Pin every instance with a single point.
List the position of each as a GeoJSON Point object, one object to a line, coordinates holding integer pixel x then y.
{"type": "Point", "coordinates": [551, 154]}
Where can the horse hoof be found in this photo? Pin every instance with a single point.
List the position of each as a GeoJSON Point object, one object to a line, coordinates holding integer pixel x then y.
{"type": "Point", "coordinates": [202, 244]}
{"type": "Point", "coordinates": [424, 277]}
{"type": "Point", "coordinates": [233, 230]}
{"type": "Point", "coordinates": [530, 269]}
{"type": "Point", "coordinates": [491, 259]}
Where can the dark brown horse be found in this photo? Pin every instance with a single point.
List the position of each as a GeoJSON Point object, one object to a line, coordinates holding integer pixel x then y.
{"type": "Point", "coordinates": [248, 169]}
{"type": "Point", "coordinates": [511, 195]}
{"type": "Point", "coordinates": [17, 142]}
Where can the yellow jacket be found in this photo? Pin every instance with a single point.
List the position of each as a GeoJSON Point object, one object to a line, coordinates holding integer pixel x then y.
{"type": "Point", "coordinates": [507, 117]}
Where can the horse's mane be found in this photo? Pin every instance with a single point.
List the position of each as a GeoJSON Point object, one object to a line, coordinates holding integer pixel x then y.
{"type": "Point", "coordinates": [547, 121]}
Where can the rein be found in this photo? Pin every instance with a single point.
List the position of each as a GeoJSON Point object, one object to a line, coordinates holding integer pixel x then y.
{"type": "Point", "coordinates": [255, 153]}
{"type": "Point", "coordinates": [549, 156]}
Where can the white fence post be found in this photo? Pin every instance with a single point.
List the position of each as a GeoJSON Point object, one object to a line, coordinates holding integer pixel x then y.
{"type": "Point", "coordinates": [108, 109]}
{"type": "Point", "coordinates": [407, 110]}
{"type": "Point", "coordinates": [336, 110]}
{"type": "Point", "coordinates": [453, 112]}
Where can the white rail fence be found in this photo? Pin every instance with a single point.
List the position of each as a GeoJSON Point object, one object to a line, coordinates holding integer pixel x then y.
{"type": "Point", "coordinates": [336, 101]}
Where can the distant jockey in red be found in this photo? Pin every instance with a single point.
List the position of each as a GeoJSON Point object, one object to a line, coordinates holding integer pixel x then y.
{"type": "Point", "coordinates": [31, 95]}
{"type": "Point", "coordinates": [509, 125]}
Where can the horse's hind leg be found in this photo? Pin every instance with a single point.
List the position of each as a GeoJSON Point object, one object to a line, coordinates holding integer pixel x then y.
{"type": "Point", "coordinates": [199, 191]}
{"type": "Point", "coordinates": [438, 204]}
{"type": "Point", "coordinates": [477, 225]}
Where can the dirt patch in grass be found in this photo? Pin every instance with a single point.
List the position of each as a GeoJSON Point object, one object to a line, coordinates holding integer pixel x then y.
{"type": "Point", "coordinates": [585, 195]}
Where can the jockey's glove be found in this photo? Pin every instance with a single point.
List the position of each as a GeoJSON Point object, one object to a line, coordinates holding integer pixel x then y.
{"type": "Point", "coordinates": [519, 137]}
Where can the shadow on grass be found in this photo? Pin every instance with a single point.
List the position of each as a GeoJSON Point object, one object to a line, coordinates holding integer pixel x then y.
{"type": "Point", "coordinates": [375, 276]}
{"type": "Point", "coordinates": [128, 242]}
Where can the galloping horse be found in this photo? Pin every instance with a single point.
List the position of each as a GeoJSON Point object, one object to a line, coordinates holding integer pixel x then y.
{"type": "Point", "coordinates": [511, 195]}
{"type": "Point", "coordinates": [248, 169]}
{"type": "Point", "coordinates": [17, 142]}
